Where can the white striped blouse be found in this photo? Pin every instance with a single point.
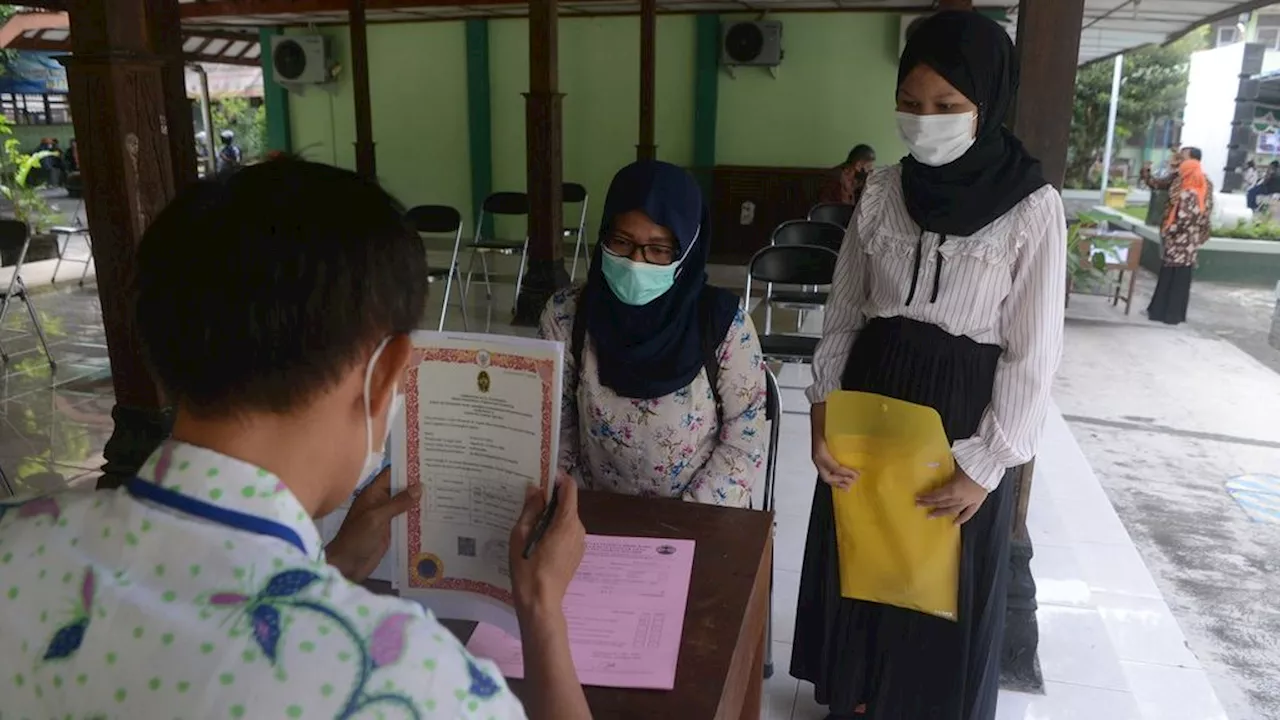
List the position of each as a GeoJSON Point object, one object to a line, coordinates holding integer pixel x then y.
{"type": "Point", "coordinates": [1003, 285]}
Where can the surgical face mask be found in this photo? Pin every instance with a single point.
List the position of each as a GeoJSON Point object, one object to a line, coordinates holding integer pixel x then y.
{"type": "Point", "coordinates": [936, 140]}
{"type": "Point", "coordinates": [375, 455]}
{"type": "Point", "coordinates": [640, 283]}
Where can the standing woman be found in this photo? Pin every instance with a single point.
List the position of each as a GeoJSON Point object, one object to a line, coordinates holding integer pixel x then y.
{"type": "Point", "coordinates": [664, 382]}
{"type": "Point", "coordinates": [948, 293]}
{"type": "Point", "coordinates": [1185, 228]}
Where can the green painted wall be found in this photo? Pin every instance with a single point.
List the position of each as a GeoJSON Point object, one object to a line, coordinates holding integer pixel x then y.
{"type": "Point", "coordinates": [600, 77]}
{"type": "Point", "coordinates": [418, 87]}
{"type": "Point", "coordinates": [835, 89]}
{"type": "Point", "coordinates": [275, 97]}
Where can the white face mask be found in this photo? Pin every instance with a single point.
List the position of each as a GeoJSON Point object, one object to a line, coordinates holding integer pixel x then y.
{"type": "Point", "coordinates": [374, 455]}
{"type": "Point", "coordinates": [936, 140]}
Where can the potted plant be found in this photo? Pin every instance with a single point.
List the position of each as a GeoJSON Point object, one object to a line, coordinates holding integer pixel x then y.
{"type": "Point", "coordinates": [1086, 253]}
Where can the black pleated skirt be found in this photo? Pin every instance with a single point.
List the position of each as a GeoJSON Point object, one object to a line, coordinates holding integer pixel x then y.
{"type": "Point", "coordinates": [1173, 294]}
{"type": "Point", "coordinates": [902, 664]}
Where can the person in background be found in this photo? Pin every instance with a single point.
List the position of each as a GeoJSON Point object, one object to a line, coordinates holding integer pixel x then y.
{"type": "Point", "coordinates": [1185, 228]}
{"type": "Point", "coordinates": [948, 293]}
{"type": "Point", "coordinates": [201, 587]}
{"type": "Point", "coordinates": [1249, 175]}
{"type": "Point", "coordinates": [229, 156]}
{"type": "Point", "coordinates": [50, 164]}
{"type": "Point", "coordinates": [202, 153]}
{"type": "Point", "coordinates": [72, 158]}
{"type": "Point", "coordinates": [1269, 185]}
{"type": "Point", "coordinates": [848, 180]}
{"type": "Point", "coordinates": [664, 382]}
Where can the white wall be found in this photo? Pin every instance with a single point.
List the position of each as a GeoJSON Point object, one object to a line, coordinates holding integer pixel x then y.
{"type": "Point", "coordinates": [1212, 87]}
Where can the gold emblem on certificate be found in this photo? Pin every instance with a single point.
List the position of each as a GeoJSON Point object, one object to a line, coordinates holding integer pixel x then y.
{"type": "Point", "coordinates": [427, 568]}
{"type": "Point", "coordinates": [482, 381]}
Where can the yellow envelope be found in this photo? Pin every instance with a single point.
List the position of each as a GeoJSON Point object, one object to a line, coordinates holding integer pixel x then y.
{"type": "Point", "coordinates": [890, 550]}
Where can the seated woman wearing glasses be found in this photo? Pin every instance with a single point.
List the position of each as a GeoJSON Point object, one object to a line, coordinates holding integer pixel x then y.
{"type": "Point", "coordinates": [664, 385]}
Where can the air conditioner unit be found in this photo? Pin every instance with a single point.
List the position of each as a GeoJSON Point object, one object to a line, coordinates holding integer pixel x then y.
{"type": "Point", "coordinates": [756, 44]}
{"type": "Point", "coordinates": [300, 59]}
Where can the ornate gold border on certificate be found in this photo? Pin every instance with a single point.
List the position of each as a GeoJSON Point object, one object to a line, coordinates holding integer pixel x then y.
{"type": "Point", "coordinates": [545, 370]}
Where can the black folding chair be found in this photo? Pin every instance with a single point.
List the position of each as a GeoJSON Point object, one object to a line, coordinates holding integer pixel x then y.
{"type": "Point", "coordinates": [62, 236]}
{"type": "Point", "coordinates": [573, 193]}
{"type": "Point", "coordinates": [809, 232]}
{"type": "Point", "coordinates": [802, 232]}
{"type": "Point", "coordinates": [15, 240]}
{"type": "Point", "coordinates": [511, 204]}
{"type": "Point", "coordinates": [772, 413]}
{"type": "Point", "coordinates": [789, 265]}
{"type": "Point", "coordinates": [442, 220]}
{"type": "Point", "coordinates": [834, 213]}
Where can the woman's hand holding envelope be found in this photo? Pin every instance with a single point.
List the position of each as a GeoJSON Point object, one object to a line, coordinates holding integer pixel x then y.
{"type": "Point", "coordinates": [961, 497]}
{"type": "Point", "coordinates": [830, 471]}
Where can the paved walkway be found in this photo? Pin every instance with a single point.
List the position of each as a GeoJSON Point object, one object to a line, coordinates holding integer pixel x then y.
{"type": "Point", "coordinates": [1167, 417]}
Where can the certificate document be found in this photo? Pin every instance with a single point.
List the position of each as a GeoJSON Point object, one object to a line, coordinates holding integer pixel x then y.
{"type": "Point", "coordinates": [481, 422]}
{"type": "Point", "coordinates": [625, 610]}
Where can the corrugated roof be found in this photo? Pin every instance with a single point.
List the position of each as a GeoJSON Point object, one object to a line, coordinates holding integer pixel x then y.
{"type": "Point", "coordinates": [49, 32]}
{"type": "Point", "coordinates": [1109, 27]}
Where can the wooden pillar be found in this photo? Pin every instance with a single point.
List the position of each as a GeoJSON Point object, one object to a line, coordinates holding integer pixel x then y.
{"type": "Point", "coordinates": [366, 156]}
{"type": "Point", "coordinates": [646, 149]}
{"type": "Point", "coordinates": [545, 272]}
{"type": "Point", "coordinates": [479, 118]}
{"type": "Point", "coordinates": [1048, 57]}
{"type": "Point", "coordinates": [1048, 51]}
{"type": "Point", "coordinates": [133, 126]}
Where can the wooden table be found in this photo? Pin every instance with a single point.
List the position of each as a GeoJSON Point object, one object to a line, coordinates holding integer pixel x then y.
{"type": "Point", "coordinates": [720, 673]}
{"type": "Point", "coordinates": [1125, 256]}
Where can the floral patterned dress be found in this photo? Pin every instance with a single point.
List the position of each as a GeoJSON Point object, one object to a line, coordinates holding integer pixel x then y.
{"type": "Point", "coordinates": [1191, 227]}
{"type": "Point", "coordinates": [672, 446]}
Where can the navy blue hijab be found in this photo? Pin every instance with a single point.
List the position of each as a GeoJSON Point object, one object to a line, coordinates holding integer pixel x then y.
{"type": "Point", "coordinates": [653, 350]}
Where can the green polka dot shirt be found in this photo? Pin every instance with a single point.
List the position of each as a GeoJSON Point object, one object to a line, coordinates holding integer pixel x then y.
{"type": "Point", "coordinates": [111, 606]}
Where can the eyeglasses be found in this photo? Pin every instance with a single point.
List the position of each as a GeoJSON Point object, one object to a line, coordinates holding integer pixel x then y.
{"type": "Point", "coordinates": [653, 253]}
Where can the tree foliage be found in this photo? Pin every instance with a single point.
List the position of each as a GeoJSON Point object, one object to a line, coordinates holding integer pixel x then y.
{"type": "Point", "coordinates": [1153, 85]}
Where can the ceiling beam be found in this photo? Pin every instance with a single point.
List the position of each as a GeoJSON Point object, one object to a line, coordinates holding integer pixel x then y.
{"type": "Point", "coordinates": [23, 22]}
{"type": "Point", "coordinates": [64, 46]}
{"type": "Point", "coordinates": [213, 9]}
{"type": "Point", "coordinates": [46, 4]}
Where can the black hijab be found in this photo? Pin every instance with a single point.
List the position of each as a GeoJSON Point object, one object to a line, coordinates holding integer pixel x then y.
{"type": "Point", "coordinates": [975, 55]}
{"type": "Point", "coordinates": [652, 350]}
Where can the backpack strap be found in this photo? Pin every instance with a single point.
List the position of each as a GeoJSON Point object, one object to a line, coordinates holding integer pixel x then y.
{"type": "Point", "coordinates": [710, 343]}
{"type": "Point", "coordinates": [710, 346]}
{"type": "Point", "coordinates": [578, 333]}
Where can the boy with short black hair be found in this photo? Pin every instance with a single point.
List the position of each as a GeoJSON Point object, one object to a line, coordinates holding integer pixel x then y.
{"type": "Point", "coordinates": [274, 305]}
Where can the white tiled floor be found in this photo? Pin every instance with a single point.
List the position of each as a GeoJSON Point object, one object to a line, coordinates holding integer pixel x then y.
{"type": "Point", "coordinates": [1109, 647]}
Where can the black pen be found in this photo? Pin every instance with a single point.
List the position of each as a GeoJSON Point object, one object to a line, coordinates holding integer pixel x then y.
{"type": "Point", "coordinates": [544, 521]}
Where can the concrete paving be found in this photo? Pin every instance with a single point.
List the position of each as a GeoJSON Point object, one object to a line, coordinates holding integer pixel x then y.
{"type": "Point", "coordinates": [1166, 416]}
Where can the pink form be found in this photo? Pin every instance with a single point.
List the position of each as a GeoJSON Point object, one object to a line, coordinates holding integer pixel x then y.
{"type": "Point", "coordinates": [625, 609]}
